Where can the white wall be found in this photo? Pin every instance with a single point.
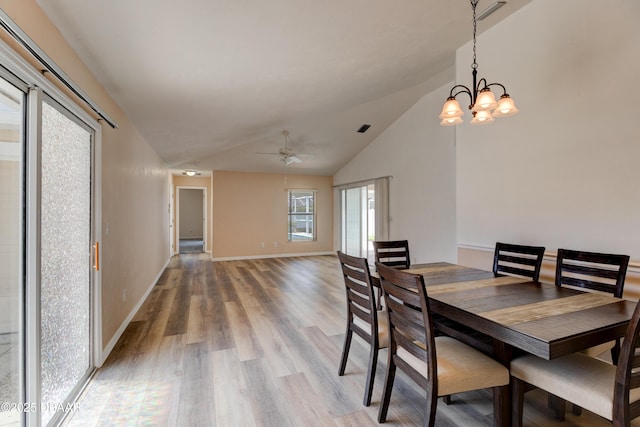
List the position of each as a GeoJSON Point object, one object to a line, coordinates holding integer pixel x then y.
{"type": "Point", "coordinates": [565, 171]}
{"type": "Point", "coordinates": [420, 155]}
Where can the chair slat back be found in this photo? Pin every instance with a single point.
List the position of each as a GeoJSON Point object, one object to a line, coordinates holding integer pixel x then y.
{"type": "Point", "coordinates": [628, 374]}
{"type": "Point", "coordinates": [592, 270]}
{"type": "Point", "coordinates": [410, 324]}
{"type": "Point", "coordinates": [519, 260]}
{"type": "Point", "coordinates": [393, 253]}
{"type": "Point", "coordinates": [360, 296]}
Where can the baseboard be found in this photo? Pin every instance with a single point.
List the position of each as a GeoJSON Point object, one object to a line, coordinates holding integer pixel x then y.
{"type": "Point", "coordinates": [240, 258]}
{"type": "Point", "coordinates": [114, 340]}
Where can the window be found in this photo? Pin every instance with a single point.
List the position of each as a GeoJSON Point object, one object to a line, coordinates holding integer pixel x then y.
{"type": "Point", "coordinates": [302, 215]}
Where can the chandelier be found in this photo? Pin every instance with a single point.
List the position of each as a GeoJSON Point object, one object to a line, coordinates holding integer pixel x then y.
{"type": "Point", "coordinates": [483, 106]}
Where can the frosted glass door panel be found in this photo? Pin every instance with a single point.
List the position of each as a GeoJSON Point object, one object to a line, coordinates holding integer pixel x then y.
{"type": "Point", "coordinates": [11, 247]}
{"type": "Point", "coordinates": [65, 257]}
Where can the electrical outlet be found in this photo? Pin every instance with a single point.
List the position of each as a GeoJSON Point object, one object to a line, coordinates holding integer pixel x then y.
{"type": "Point", "coordinates": [275, 244]}
{"type": "Point", "coordinates": [124, 295]}
{"type": "Point", "coordinates": [262, 244]}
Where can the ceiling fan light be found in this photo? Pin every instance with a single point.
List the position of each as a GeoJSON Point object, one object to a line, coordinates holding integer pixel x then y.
{"type": "Point", "coordinates": [486, 101]}
{"type": "Point", "coordinates": [506, 107]}
{"type": "Point", "coordinates": [451, 109]}
{"type": "Point", "coordinates": [482, 118]}
{"type": "Point", "coordinates": [451, 121]}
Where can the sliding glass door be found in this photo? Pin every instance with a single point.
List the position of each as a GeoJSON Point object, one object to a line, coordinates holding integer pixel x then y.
{"type": "Point", "coordinates": [362, 209]}
{"type": "Point", "coordinates": [12, 232]}
{"type": "Point", "coordinates": [358, 221]}
{"type": "Point", "coordinates": [47, 230]}
{"type": "Point", "coordinates": [65, 258]}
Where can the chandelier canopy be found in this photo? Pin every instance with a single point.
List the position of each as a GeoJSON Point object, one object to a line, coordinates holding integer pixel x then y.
{"type": "Point", "coordinates": [483, 106]}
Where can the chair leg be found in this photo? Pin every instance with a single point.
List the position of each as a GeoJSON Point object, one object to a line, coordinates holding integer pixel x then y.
{"type": "Point", "coordinates": [518, 387]}
{"type": "Point", "coordinates": [345, 351]}
{"type": "Point", "coordinates": [576, 410]}
{"type": "Point", "coordinates": [431, 407]}
{"type": "Point", "coordinates": [615, 352]}
{"type": "Point", "coordinates": [371, 374]}
{"type": "Point", "coordinates": [558, 405]}
{"type": "Point", "coordinates": [447, 399]}
{"type": "Point", "coordinates": [501, 405]}
{"type": "Point", "coordinates": [386, 391]}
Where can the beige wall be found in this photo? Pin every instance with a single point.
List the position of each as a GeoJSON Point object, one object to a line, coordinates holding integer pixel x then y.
{"type": "Point", "coordinates": [192, 181]}
{"type": "Point", "coordinates": [135, 215]}
{"type": "Point", "coordinates": [250, 209]}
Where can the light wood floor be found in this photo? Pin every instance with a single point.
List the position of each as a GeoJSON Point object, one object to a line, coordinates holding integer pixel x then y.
{"type": "Point", "coordinates": [244, 343]}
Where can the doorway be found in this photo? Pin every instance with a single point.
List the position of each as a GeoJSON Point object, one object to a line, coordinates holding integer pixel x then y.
{"type": "Point", "coordinates": [191, 219]}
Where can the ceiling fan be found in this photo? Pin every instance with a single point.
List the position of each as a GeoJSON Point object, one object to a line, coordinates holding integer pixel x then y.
{"type": "Point", "coordinates": [287, 155]}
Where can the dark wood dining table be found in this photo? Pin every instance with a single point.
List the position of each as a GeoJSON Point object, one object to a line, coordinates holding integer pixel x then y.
{"type": "Point", "coordinates": [521, 315]}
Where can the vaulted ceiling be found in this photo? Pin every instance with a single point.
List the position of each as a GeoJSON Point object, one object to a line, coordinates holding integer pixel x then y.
{"type": "Point", "coordinates": [212, 83]}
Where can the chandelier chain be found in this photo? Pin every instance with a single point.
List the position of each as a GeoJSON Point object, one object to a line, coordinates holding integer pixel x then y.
{"type": "Point", "coordinates": [474, 3]}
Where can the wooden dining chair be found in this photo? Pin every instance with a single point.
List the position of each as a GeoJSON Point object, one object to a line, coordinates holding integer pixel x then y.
{"type": "Point", "coordinates": [441, 365]}
{"type": "Point", "coordinates": [362, 317]}
{"type": "Point", "coordinates": [392, 253]}
{"type": "Point", "coordinates": [509, 259]}
{"type": "Point", "coordinates": [612, 392]}
{"type": "Point", "coordinates": [593, 271]}
{"type": "Point", "coordinates": [518, 260]}
{"type": "Point", "coordinates": [590, 271]}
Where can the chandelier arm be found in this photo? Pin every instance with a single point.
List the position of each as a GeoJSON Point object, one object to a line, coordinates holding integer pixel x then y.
{"type": "Point", "coordinates": [504, 89]}
{"type": "Point", "coordinates": [463, 89]}
{"type": "Point", "coordinates": [483, 82]}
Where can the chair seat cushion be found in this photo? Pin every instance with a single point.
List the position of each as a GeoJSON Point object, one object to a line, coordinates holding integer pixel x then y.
{"type": "Point", "coordinates": [383, 328]}
{"type": "Point", "coordinates": [460, 367]}
{"type": "Point", "coordinates": [586, 381]}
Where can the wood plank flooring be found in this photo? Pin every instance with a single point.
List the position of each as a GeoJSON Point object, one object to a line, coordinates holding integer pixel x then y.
{"type": "Point", "coordinates": [257, 343]}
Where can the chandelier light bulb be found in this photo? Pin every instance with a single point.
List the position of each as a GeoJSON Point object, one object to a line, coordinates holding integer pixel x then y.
{"type": "Point", "coordinates": [486, 100]}
{"type": "Point", "coordinates": [451, 109]}
{"type": "Point", "coordinates": [482, 118]}
{"type": "Point", "coordinates": [451, 121]}
{"type": "Point", "coordinates": [506, 107]}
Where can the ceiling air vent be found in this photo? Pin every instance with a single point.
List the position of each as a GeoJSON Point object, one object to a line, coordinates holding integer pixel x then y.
{"type": "Point", "coordinates": [364, 128]}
